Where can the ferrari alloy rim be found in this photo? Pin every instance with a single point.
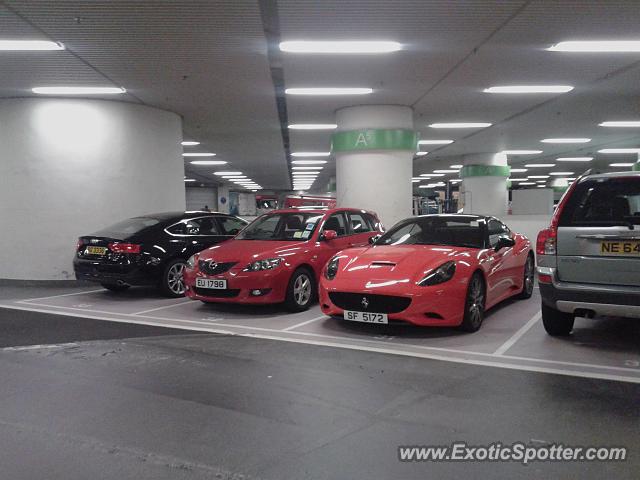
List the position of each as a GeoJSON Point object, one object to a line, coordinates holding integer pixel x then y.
{"type": "Point", "coordinates": [302, 289]}
{"type": "Point", "coordinates": [175, 279]}
{"type": "Point", "coordinates": [528, 275]}
{"type": "Point", "coordinates": [476, 301]}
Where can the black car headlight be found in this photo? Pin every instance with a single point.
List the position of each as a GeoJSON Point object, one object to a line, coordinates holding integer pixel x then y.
{"type": "Point", "coordinates": [331, 269]}
{"type": "Point", "coordinates": [266, 264]}
{"type": "Point", "coordinates": [439, 275]}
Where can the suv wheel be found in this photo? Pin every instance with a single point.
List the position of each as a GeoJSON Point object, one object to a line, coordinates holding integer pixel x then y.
{"type": "Point", "coordinates": [557, 323]}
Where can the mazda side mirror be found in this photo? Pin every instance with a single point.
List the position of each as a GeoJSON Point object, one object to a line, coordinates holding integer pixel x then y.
{"type": "Point", "coordinates": [374, 239]}
{"type": "Point", "coordinates": [504, 242]}
{"type": "Point", "coordinates": [329, 235]}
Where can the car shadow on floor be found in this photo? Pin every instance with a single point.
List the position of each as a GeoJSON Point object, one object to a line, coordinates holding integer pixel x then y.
{"type": "Point", "coordinates": [612, 334]}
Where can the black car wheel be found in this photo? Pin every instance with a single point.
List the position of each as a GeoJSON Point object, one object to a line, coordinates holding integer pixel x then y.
{"type": "Point", "coordinates": [301, 292]}
{"type": "Point", "coordinates": [115, 287]}
{"type": "Point", "coordinates": [529, 279]}
{"type": "Point", "coordinates": [172, 283]}
{"type": "Point", "coordinates": [557, 323]}
{"type": "Point", "coordinates": [474, 304]}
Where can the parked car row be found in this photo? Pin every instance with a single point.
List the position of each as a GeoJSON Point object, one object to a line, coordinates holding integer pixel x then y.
{"type": "Point", "coordinates": [443, 270]}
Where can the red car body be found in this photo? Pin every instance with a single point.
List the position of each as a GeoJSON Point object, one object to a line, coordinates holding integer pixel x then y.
{"type": "Point", "coordinates": [387, 276]}
{"type": "Point", "coordinates": [237, 254]}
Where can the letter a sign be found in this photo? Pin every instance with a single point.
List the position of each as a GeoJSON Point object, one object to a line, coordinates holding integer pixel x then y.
{"type": "Point", "coordinates": [361, 141]}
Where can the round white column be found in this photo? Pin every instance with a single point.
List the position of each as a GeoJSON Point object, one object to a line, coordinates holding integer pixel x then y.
{"type": "Point", "coordinates": [374, 147]}
{"type": "Point", "coordinates": [69, 167]}
{"type": "Point", "coordinates": [636, 167]}
{"type": "Point", "coordinates": [484, 184]}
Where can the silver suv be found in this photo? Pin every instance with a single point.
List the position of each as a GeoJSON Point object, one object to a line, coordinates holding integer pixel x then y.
{"type": "Point", "coordinates": [588, 260]}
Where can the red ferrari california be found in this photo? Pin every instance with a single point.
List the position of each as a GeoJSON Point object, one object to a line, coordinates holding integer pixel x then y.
{"type": "Point", "coordinates": [278, 257]}
{"type": "Point", "coordinates": [436, 270]}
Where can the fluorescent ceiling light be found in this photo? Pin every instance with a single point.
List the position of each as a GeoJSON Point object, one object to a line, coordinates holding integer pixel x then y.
{"type": "Point", "coordinates": [309, 162]}
{"type": "Point", "coordinates": [189, 179]}
{"type": "Point", "coordinates": [208, 162]}
{"type": "Point", "coordinates": [526, 183]}
{"type": "Point", "coordinates": [597, 46]}
{"type": "Point", "coordinates": [421, 154]}
{"type": "Point", "coordinates": [565, 140]}
{"type": "Point", "coordinates": [78, 90]}
{"type": "Point", "coordinates": [234, 176]}
{"type": "Point", "coordinates": [540, 165]}
{"type": "Point", "coordinates": [521, 152]}
{"type": "Point", "coordinates": [460, 125]}
{"type": "Point", "coordinates": [198, 154]}
{"type": "Point", "coordinates": [428, 175]}
{"type": "Point", "coordinates": [189, 144]}
{"type": "Point", "coordinates": [310, 154]}
{"type": "Point", "coordinates": [518, 179]}
{"type": "Point", "coordinates": [435, 142]}
{"type": "Point", "coordinates": [414, 181]}
{"type": "Point", "coordinates": [313, 126]}
{"type": "Point", "coordinates": [340, 47]}
{"type": "Point", "coordinates": [574, 159]}
{"type": "Point", "coordinates": [445, 171]}
{"type": "Point", "coordinates": [29, 45]}
{"type": "Point", "coordinates": [560, 174]}
{"type": "Point", "coordinates": [227, 173]}
{"type": "Point", "coordinates": [519, 170]}
{"type": "Point", "coordinates": [329, 91]}
{"type": "Point", "coordinates": [619, 150]}
{"type": "Point", "coordinates": [456, 166]}
{"type": "Point", "coordinates": [629, 123]}
{"type": "Point", "coordinates": [529, 89]}
{"type": "Point", "coordinates": [621, 164]}
{"type": "Point", "coordinates": [306, 168]}
{"type": "Point", "coordinates": [538, 176]}
{"type": "Point", "coordinates": [542, 186]}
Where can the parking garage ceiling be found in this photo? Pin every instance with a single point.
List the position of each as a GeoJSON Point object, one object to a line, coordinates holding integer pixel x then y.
{"type": "Point", "coordinates": [209, 62]}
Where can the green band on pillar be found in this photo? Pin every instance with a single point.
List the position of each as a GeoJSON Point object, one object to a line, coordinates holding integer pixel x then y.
{"type": "Point", "coordinates": [374, 139]}
{"type": "Point", "coordinates": [636, 167]}
{"type": "Point", "coordinates": [560, 189]}
{"type": "Point", "coordinates": [485, 171]}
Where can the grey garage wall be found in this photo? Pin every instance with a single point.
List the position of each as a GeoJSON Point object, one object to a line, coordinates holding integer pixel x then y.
{"type": "Point", "coordinates": [198, 197]}
{"type": "Point", "coordinates": [69, 167]}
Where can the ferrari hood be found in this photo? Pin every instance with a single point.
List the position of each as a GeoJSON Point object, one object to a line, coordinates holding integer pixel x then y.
{"type": "Point", "coordinates": [252, 250]}
{"type": "Point", "coordinates": [399, 262]}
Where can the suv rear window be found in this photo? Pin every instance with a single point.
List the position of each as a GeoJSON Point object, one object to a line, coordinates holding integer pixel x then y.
{"type": "Point", "coordinates": [603, 202]}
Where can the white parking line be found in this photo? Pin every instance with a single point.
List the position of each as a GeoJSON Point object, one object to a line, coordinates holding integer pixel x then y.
{"type": "Point", "coordinates": [516, 336]}
{"type": "Point", "coordinates": [29, 300]}
{"type": "Point", "coordinates": [161, 308]}
{"type": "Point", "coordinates": [302, 324]}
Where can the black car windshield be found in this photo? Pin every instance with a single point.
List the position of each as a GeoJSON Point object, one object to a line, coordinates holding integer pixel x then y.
{"type": "Point", "coordinates": [127, 227]}
{"type": "Point", "coordinates": [282, 226]}
{"type": "Point", "coordinates": [446, 230]}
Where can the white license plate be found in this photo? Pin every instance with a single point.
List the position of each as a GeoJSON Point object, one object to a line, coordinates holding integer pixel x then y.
{"type": "Point", "coordinates": [211, 283]}
{"type": "Point", "coordinates": [366, 317]}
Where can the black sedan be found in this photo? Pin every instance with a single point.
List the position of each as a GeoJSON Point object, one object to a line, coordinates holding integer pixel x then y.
{"type": "Point", "coordinates": [151, 249]}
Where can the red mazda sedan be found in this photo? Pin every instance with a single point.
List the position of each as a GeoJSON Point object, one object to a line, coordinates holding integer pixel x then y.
{"type": "Point", "coordinates": [278, 257]}
{"type": "Point", "coordinates": [441, 270]}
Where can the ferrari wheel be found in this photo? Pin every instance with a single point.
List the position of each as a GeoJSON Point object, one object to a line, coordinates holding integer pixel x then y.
{"type": "Point", "coordinates": [301, 291]}
{"type": "Point", "coordinates": [474, 304]}
{"type": "Point", "coordinates": [528, 280]}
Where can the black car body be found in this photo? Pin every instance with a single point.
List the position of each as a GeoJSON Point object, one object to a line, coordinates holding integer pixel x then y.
{"type": "Point", "coordinates": [150, 249]}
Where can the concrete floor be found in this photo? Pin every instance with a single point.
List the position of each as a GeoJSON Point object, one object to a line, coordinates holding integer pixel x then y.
{"type": "Point", "coordinates": [85, 398]}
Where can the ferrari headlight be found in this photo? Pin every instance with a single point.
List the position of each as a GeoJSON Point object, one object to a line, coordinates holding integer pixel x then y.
{"type": "Point", "coordinates": [267, 264]}
{"type": "Point", "coordinates": [440, 275]}
{"type": "Point", "coordinates": [331, 270]}
{"type": "Point", "coordinates": [193, 260]}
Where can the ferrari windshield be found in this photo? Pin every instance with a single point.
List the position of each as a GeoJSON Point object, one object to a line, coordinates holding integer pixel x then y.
{"type": "Point", "coordinates": [454, 231]}
{"type": "Point", "coordinates": [282, 226]}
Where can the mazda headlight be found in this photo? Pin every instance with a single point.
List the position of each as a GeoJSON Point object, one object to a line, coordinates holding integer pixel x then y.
{"type": "Point", "coordinates": [267, 264]}
{"type": "Point", "coordinates": [193, 260]}
{"type": "Point", "coordinates": [440, 275]}
{"type": "Point", "coordinates": [331, 269]}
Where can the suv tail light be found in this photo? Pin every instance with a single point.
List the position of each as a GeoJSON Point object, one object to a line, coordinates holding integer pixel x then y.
{"type": "Point", "coordinates": [124, 247]}
{"type": "Point", "coordinates": [546, 243]}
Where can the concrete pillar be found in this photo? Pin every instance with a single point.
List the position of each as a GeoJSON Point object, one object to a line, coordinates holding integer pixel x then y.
{"type": "Point", "coordinates": [484, 184]}
{"type": "Point", "coordinates": [374, 147]}
{"type": "Point", "coordinates": [69, 167]}
{"type": "Point", "coordinates": [636, 167]}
